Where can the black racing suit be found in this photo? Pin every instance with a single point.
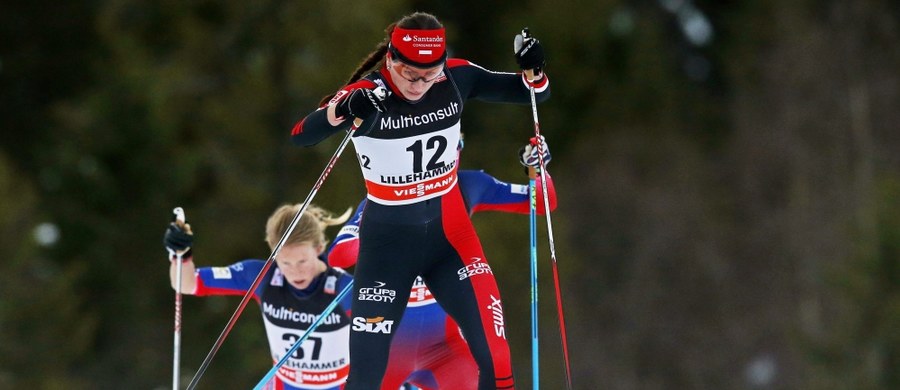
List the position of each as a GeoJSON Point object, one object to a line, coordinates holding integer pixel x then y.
{"type": "Point", "coordinates": [416, 223]}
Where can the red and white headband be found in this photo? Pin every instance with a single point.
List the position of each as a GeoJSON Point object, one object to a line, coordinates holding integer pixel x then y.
{"type": "Point", "coordinates": [420, 48]}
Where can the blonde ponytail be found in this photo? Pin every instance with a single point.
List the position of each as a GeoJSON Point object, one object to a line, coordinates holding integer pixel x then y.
{"type": "Point", "coordinates": [310, 229]}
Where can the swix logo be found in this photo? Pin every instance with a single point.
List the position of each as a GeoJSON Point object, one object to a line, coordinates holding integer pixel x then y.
{"type": "Point", "coordinates": [377, 293]}
{"type": "Point", "coordinates": [477, 267]}
{"type": "Point", "coordinates": [496, 309]}
{"type": "Point", "coordinates": [373, 325]}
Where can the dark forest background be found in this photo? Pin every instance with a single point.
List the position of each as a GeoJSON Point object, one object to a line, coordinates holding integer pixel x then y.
{"type": "Point", "coordinates": [728, 174]}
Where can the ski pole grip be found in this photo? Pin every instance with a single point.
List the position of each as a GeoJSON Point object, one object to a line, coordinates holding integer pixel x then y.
{"type": "Point", "coordinates": [529, 74]}
{"type": "Point", "coordinates": [179, 214]}
{"type": "Point", "coordinates": [180, 219]}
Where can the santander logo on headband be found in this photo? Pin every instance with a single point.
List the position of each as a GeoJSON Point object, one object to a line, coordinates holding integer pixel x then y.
{"type": "Point", "coordinates": [425, 48]}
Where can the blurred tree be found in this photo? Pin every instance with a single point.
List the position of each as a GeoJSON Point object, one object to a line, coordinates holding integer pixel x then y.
{"type": "Point", "coordinates": [727, 174]}
{"type": "Point", "coordinates": [45, 52]}
{"type": "Point", "coordinates": [45, 323]}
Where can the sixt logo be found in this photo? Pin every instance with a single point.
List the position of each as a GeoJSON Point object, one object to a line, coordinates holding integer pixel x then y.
{"type": "Point", "coordinates": [373, 325]}
{"type": "Point", "coordinates": [496, 309]}
{"type": "Point", "coordinates": [477, 267]}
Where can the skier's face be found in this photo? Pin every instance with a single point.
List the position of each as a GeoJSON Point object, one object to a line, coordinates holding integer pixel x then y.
{"type": "Point", "coordinates": [300, 264]}
{"type": "Point", "coordinates": [413, 82]}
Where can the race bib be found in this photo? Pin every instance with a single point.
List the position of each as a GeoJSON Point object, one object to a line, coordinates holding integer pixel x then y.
{"type": "Point", "coordinates": [410, 169]}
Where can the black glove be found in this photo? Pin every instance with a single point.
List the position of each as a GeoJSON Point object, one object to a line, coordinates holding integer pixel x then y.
{"type": "Point", "coordinates": [178, 240]}
{"type": "Point", "coordinates": [529, 52]}
{"type": "Point", "coordinates": [362, 103]}
{"type": "Point", "coordinates": [528, 154]}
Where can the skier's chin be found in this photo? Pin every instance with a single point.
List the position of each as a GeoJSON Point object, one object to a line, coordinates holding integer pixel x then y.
{"type": "Point", "coordinates": [413, 97]}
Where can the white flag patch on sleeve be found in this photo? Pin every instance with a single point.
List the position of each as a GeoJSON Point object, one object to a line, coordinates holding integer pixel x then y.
{"type": "Point", "coordinates": [221, 272]}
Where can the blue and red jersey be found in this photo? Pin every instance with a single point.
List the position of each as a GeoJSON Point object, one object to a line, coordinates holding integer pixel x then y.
{"type": "Point", "coordinates": [322, 362]}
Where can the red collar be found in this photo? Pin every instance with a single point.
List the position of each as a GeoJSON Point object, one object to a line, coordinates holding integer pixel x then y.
{"type": "Point", "coordinates": [386, 73]}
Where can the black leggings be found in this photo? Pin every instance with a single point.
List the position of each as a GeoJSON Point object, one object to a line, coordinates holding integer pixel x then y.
{"type": "Point", "coordinates": [435, 239]}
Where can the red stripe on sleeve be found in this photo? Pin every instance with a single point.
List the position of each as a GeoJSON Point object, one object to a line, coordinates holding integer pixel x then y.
{"type": "Point", "coordinates": [344, 253]}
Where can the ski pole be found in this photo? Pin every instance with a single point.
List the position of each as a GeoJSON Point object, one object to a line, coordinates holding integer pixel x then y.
{"type": "Point", "coordinates": [532, 224]}
{"type": "Point", "coordinates": [265, 379]}
{"type": "Point", "coordinates": [218, 344]}
{"type": "Point", "coordinates": [529, 73]}
{"type": "Point", "coordinates": [176, 350]}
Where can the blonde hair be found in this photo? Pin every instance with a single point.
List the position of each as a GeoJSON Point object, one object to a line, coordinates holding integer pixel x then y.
{"type": "Point", "coordinates": [310, 228]}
